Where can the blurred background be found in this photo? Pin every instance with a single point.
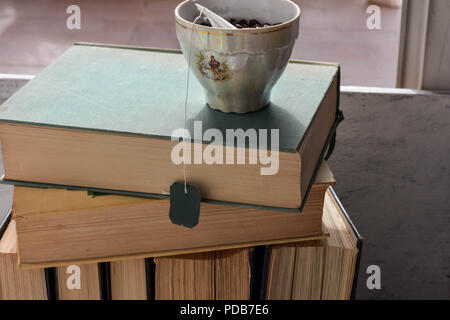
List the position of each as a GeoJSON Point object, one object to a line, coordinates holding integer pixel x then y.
{"type": "Point", "coordinates": [34, 33]}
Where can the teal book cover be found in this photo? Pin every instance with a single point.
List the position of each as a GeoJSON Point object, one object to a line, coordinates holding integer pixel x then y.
{"type": "Point", "coordinates": [140, 92]}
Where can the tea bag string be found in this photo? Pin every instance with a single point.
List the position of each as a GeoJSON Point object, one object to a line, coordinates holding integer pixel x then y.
{"type": "Point", "coordinates": [186, 101]}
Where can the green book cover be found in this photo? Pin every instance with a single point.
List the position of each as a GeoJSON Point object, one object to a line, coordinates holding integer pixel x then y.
{"type": "Point", "coordinates": [141, 91]}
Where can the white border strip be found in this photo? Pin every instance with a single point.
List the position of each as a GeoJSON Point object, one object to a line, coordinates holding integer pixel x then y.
{"type": "Point", "coordinates": [375, 90]}
{"type": "Point", "coordinates": [7, 76]}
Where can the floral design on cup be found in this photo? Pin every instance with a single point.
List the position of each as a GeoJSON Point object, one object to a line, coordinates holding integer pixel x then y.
{"type": "Point", "coordinates": [212, 68]}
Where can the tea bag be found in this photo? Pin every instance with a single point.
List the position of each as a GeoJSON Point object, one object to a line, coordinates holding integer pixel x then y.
{"type": "Point", "coordinates": [185, 202]}
{"type": "Point", "coordinates": [185, 199]}
{"type": "Point", "coordinates": [216, 20]}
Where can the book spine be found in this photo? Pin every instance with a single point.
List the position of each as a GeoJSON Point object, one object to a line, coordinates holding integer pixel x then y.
{"type": "Point", "coordinates": [150, 268]}
{"type": "Point", "coordinates": [51, 281]}
{"type": "Point", "coordinates": [251, 260]}
{"type": "Point", "coordinates": [359, 244]}
{"type": "Point", "coordinates": [50, 273]}
{"type": "Point", "coordinates": [339, 115]}
{"type": "Point", "coordinates": [324, 155]}
{"type": "Point", "coordinates": [101, 192]}
{"type": "Point", "coordinates": [262, 261]}
{"type": "Point", "coordinates": [104, 277]}
{"type": "Point", "coordinates": [332, 144]}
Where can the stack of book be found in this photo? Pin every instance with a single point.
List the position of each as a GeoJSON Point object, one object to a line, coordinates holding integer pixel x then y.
{"type": "Point", "coordinates": [87, 145]}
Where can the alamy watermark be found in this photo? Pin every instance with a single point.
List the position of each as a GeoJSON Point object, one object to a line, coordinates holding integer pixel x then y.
{"type": "Point", "coordinates": [374, 20]}
{"type": "Point", "coordinates": [74, 20]}
{"type": "Point", "coordinates": [73, 281]}
{"type": "Point", "coordinates": [373, 282]}
{"type": "Point", "coordinates": [228, 150]}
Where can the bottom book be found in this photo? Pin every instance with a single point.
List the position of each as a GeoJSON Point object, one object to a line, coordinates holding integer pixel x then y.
{"type": "Point", "coordinates": [318, 269]}
{"type": "Point", "coordinates": [220, 275]}
{"type": "Point", "coordinates": [14, 283]}
{"type": "Point", "coordinates": [117, 280]}
{"type": "Point", "coordinates": [325, 269]}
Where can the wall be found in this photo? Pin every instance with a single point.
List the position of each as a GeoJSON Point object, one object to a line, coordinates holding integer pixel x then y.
{"type": "Point", "coordinates": [436, 74]}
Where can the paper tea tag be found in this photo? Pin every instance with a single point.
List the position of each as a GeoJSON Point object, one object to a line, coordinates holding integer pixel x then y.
{"type": "Point", "coordinates": [184, 207]}
{"type": "Point", "coordinates": [216, 20]}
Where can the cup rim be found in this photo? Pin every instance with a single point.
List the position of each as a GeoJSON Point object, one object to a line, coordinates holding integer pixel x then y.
{"type": "Point", "coordinates": [190, 25]}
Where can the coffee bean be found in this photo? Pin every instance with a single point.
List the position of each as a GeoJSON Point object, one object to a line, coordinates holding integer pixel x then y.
{"type": "Point", "coordinates": [253, 23]}
{"type": "Point", "coordinates": [242, 23]}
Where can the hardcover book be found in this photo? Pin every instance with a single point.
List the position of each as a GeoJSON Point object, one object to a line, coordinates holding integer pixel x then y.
{"type": "Point", "coordinates": [324, 269]}
{"type": "Point", "coordinates": [318, 269]}
{"type": "Point", "coordinates": [111, 227]}
{"type": "Point", "coordinates": [102, 117]}
{"type": "Point", "coordinates": [78, 282]}
{"type": "Point", "coordinates": [219, 275]}
{"type": "Point", "coordinates": [128, 279]}
{"type": "Point", "coordinates": [17, 284]}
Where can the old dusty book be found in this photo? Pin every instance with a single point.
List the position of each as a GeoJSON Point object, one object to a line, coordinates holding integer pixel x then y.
{"type": "Point", "coordinates": [295, 271]}
{"type": "Point", "coordinates": [69, 283]}
{"type": "Point", "coordinates": [342, 252]}
{"type": "Point", "coordinates": [323, 269]}
{"type": "Point", "coordinates": [118, 280]}
{"type": "Point", "coordinates": [186, 277]}
{"type": "Point", "coordinates": [220, 275]}
{"type": "Point", "coordinates": [102, 117]}
{"type": "Point", "coordinates": [128, 280]}
{"type": "Point", "coordinates": [308, 273]}
{"type": "Point", "coordinates": [281, 272]}
{"type": "Point", "coordinates": [110, 227]}
{"type": "Point", "coordinates": [232, 274]}
{"type": "Point", "coordinates": [122, 280]}
{"type": "Point", "coordinates": [18, 284]}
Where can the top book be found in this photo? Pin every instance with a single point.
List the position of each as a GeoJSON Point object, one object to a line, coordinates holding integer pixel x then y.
{"type": "Point", "coordinates": [102, 117]}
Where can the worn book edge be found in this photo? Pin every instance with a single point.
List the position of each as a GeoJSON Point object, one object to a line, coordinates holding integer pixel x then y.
{"type": "Point", "coordinates": [27, 266]}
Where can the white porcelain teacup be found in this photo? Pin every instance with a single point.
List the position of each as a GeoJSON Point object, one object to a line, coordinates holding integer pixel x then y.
{"type": "Point", "coordinates": [239, 67]}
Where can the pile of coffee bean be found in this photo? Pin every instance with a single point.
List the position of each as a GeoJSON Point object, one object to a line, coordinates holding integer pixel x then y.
{"type": "Point", "coordinates": [242, 23]}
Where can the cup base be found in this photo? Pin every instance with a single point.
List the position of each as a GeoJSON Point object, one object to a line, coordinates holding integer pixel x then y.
{"type": "Point", "coordinates": [233, 106]}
